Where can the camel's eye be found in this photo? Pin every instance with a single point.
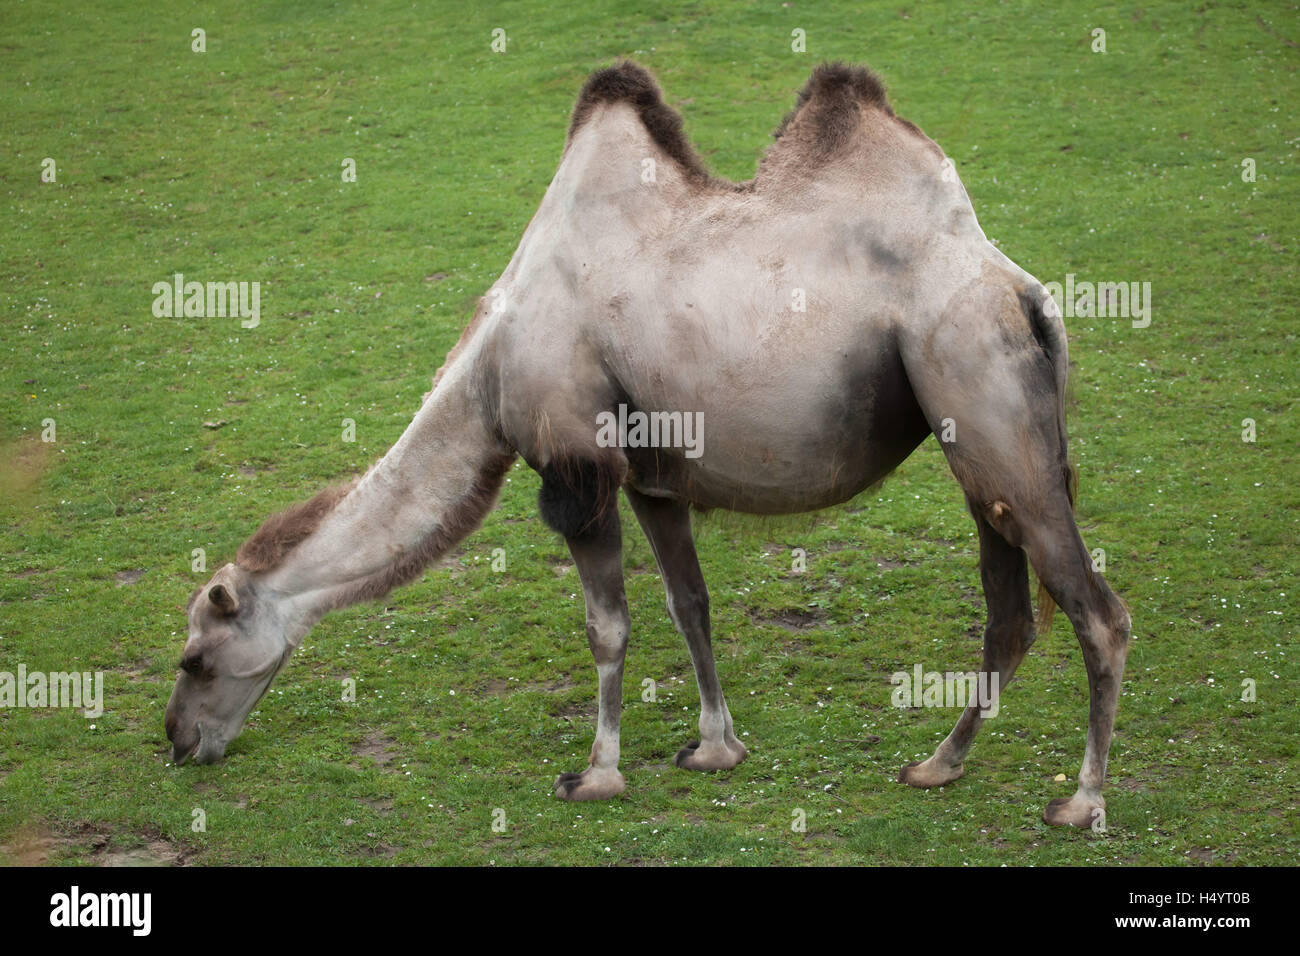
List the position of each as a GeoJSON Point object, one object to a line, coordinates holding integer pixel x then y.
{"type": "Point", "coordinates": [192, 665]}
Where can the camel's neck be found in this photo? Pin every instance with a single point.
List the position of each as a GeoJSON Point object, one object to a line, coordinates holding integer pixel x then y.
{"type": "Point", "coordinates": [428, 492]}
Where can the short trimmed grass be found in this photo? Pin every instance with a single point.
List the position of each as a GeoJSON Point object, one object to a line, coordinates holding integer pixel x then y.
{"type": "Point", "coordinates": [475, 687]}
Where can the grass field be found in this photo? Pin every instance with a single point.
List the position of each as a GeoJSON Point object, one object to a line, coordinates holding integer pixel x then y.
{"type": "Point", "coordinates": [475, 687]}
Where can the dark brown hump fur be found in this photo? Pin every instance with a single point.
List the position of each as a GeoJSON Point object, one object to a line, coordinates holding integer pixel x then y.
{"type": "Point", "coordinates": [626, 82]}
{"type": "Point", "coordinates": [826, 109]}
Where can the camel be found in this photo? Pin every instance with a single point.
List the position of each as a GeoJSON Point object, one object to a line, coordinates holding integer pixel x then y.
{"type": "Point", "coordinates": [818, 321]}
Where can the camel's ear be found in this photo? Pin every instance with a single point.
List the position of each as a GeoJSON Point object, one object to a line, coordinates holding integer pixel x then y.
{"type": "Point", "coordinates": [223, 599]}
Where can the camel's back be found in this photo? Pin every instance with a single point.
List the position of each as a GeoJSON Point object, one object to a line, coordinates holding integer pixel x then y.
{"type": "Point", "coordinates": [848, 228]}
{"type": "Point", "coordinates": [849, 202]}
{"type": "Point", "coordinates": [644, 280]}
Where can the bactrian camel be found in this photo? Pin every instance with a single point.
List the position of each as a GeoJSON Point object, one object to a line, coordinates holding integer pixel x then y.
{"type": "Point", "coordinates": [818, 321]}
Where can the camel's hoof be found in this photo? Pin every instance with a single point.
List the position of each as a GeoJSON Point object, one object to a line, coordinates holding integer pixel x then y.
{"type": "Point", "coordinates": [926, 773]}
{"type": "Point", "coordinates": [592, 784]}
{"type": "Point", "coordinates": [712, 756]}
{"type": "Point", "coordinates": [1079, 811]}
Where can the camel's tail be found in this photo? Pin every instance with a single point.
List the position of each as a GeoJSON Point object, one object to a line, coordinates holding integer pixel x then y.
{"type": "Point", "coordinates": [1049, 330]}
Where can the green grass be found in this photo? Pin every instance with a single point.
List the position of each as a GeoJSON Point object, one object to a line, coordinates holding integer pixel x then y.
{"type": "Point", "coordinates": [475, 688]}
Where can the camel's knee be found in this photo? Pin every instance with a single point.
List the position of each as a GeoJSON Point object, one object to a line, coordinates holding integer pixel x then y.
{"type": "Point", "coordinates": [688, 607]}
{"type": "Point", "coordinates": [607, 633]}
{"type": "Point", "coordinates": [1121, 632]}
{"type": "Point", "coordinates": [1106, 620]}
{"type": "Point", "coordinates": [1123, 624]}
{"type": "Point", "coordinates": [1115, 655]}
{"type": "Point", "coordinates": [1007, 641]}
{"type": "Point", "coordinates": [1104, 630]}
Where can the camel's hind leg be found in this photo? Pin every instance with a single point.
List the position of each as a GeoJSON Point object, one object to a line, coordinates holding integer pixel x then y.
{"type": "Point", "coordinates": [1042, 523]}
{"type": "Point", "coordinates": [1007, 636]}
{"type": "Point", "coordinates": [1103, 628]}
{"type": "Point", "coordinates": [990, 380]}
{"type": "Point", "coordinates": [667, 524]}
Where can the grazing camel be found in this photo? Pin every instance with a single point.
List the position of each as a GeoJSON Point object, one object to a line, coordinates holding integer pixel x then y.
{"type": "Point", "coordinates": [819, 321]}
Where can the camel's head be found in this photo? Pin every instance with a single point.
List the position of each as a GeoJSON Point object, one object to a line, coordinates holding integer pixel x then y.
{"type": "Point", "coordinates": [236, 646]}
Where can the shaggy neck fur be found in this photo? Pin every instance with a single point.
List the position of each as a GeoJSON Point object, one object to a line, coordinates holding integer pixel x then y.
{"type": "Point", "coordinates": [357, 542]}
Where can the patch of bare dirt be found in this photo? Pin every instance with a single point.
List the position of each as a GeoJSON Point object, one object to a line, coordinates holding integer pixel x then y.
{"type": "Point", "coordinates": [376, 746]}
{"type": "Point", "coordinates": [39, 846]}
{"type": "Point", "coordinates": [155, 853]}
{"type": "Point", "coordinates": [30, 846]}
{"type": "Point", "coordinates": [501, 685]}
{"type": "Point", "coordinates": [794, 620]}
{"type": "Point", "coordinates": [580, 711]}
{"type": "Point", "coordinates": [127, 578]}
{"type": "Point", "coordinates": [136, 671]}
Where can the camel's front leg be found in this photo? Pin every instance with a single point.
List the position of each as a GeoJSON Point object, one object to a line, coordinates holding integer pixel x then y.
{"type": "Point", "coordinates": [668, 526]}
{"type": "Point", "coordinates": [598, 554]}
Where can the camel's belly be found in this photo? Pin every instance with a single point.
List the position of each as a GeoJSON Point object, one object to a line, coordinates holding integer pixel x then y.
{"type": "Point", "coordinates": [776, 448]}
{"type": "Point", "coordinates": [756, 487]}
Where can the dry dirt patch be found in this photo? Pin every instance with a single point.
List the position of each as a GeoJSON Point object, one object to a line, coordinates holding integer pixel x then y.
{"type": "Point", "coordinates": [38, 845]}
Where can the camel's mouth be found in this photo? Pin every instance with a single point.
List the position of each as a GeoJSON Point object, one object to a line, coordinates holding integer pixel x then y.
{"type": "Point", "coordinates": [181, 758]}
{"type": "Point", "coordinates": [212, 737]}
{"type": "Point", "coordinates": [208, 748]}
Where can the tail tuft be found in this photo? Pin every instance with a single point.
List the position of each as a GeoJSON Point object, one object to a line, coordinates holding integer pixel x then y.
{"type": "Point", "coordinates": [1048, 329]}
{"type": "Point", "coordinates": [1047, 606]}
